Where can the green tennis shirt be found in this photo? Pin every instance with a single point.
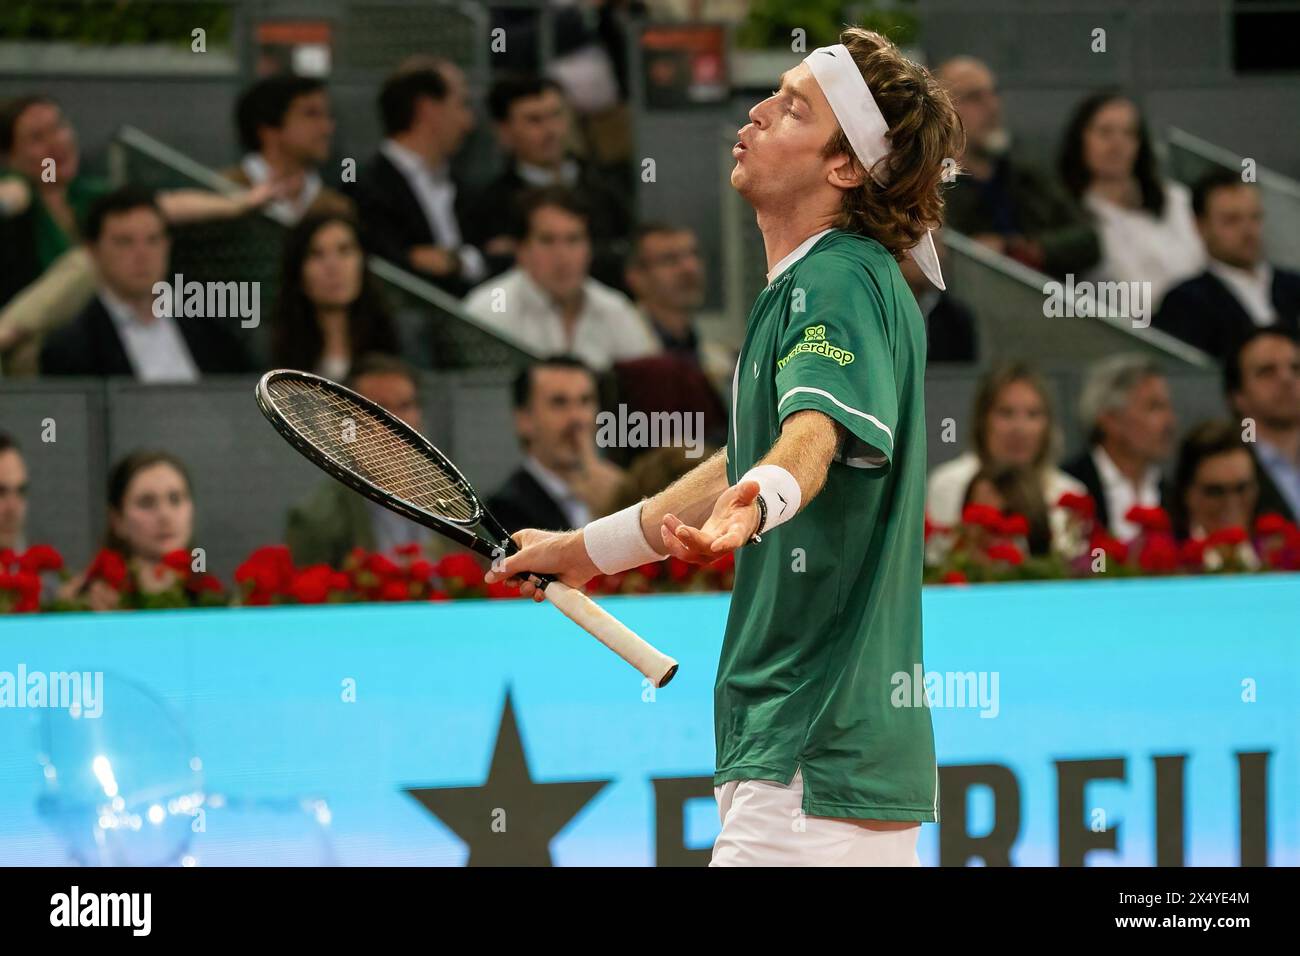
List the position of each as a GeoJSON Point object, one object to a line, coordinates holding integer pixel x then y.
{"type": "Point", "coordinates": [825, 619]}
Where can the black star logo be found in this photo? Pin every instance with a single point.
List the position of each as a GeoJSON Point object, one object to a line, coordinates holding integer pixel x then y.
{"type": "Point", "coordinates": [510, 820]}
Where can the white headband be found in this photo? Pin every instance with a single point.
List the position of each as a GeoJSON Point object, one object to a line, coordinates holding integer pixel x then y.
{"type": "Point", "coordinates": [866, 129]}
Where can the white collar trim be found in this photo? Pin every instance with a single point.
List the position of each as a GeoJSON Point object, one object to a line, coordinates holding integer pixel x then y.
{"type": "Point", "coordinates": [798, 253]}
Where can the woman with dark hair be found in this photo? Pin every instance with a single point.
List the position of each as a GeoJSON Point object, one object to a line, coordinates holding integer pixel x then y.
{"type": "Point", "coordinates": [1215, 485]}
{"type": "Point", "coordinates": [329, 309]}
{"type": "Point", "coordinates": [1014, 426]}
{"type": "Point", "coordinates": [150, 514]}
{"type": "Point", "coordinates": [1145, 222]}
{"type": "Point", "coordinates": [1014, 490]}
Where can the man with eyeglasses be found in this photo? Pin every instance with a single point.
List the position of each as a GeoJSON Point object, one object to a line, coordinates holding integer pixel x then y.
{"type": "Point", "coordinates": [1216, 487]}
{"type": "Point", "coordinates": [1001, 201]}
{"type": "Point", "coordinates": [1262, 385]}
{"type": "Point", "coordinates": [665, 273]}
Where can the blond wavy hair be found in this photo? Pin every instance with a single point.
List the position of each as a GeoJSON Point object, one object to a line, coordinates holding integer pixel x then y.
{"type": "Point", "coordinates": [924, 130]}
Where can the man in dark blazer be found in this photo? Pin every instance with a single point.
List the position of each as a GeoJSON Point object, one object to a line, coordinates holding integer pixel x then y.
{"type": "Point", "coordinates": [1261, 382]}
{"type": "Point", "coordinates": [130, 328]}
{"type": "Point", "coordinates": [1126, 411]}
{"type": "Point", "coordinates": [533, 127]}
{"type": "Point", "coordinates": [405, 197]}
{"type": "Point", "coordinates": [1238, 292]}
{"type": "Point", "coordinates": [562, 483]}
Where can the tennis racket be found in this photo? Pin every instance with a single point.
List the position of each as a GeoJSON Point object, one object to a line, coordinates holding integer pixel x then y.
{"type": "Point", "coordinates": [377, 454]}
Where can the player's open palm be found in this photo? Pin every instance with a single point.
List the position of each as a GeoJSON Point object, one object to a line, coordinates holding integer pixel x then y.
{"type": "Point", "coordinates": [733, 522]}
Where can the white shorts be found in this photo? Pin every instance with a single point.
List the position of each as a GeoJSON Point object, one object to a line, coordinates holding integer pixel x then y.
{"type": "Point", "coordinates": [763, 824]}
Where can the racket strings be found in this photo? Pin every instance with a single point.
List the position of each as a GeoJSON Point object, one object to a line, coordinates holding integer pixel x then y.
{"type": "Point", "coordinates": [362, 442]}
{"type": "Point", "coordinates": [385, 458]}
{"type": "Point", "coordinates": [371, 448]}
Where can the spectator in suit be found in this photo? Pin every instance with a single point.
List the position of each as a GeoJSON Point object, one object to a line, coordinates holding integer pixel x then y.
{"type": "Point", "coordinates": [334, 519]}
{"type": "Point", "coordinates": [1215, 482]}
{"type": "Point", "coordinates": [1262, 381]}
{"type": "Point", "coordinates": [1239, 291]}
{"type": "Point", "coordinates": [13, 496]}
{"type": "Point", "coordinates": [1145, 222]}
{"type": "Point", "coordinates": [549, 302]}
{"type": "Point", "coordinates": [405, 196]}
{"type": "Point", "coordinates": [150, 514]}
{"type": "Point", "coordinates": [47, 278]}
{"type": "Point", "coordinates": [562, 483]}
{"type": "Point", "coordinates": [128, 329]}
{"type": "Point", "coordinates": [950, 329]}
{"type": "Point", "coordinates": [285, 128]}
{"type": "Point", "coordinates": [1003, 202]}
{"type": "Point", "coordinates": [1129, 418]}
{"type": "Point", "coordinates": [1014, 425]}
{"type": "Point", "coordinates": [666, 275]}
{"type": "Point", "coordinates": [533, 125]}
{"type": "Point", "coordinates": [330, 308]}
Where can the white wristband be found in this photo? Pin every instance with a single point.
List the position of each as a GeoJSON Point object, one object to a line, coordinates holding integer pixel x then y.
{"type": "Point", "coordinates": [780, 493]}
{"type": "Point", "coordinates": [616, 543]}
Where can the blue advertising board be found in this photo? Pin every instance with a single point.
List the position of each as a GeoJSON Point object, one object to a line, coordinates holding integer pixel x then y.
{"type": "Point", "coordinates": [1096, 723]}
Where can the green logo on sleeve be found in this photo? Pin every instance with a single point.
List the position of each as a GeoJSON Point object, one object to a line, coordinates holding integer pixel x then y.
{"type": "Point", "coordinates": [814, 341]}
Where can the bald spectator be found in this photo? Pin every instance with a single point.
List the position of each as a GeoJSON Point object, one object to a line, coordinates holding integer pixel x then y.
{"type": "Point", "coordinates": [13, 496]}
{"type": "Point", "coordinates": [1239, 291]}
{"type": "Point", "coordinates": [1262, 382]}
{"type": "Point", "coordinates": [549, 302]}
{"type": "Point", "coordinates": [285, 127]}
{"type": "Point", "coordinates": [406, 199]}
{"type": "Point", "coordinates": [1000, 201]}
{"type": "Point", "coordinates": [1129, 418]}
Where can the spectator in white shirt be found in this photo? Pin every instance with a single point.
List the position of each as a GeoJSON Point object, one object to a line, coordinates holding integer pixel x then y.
{"type": "Point", "coordinates": [1129, 418]}
{"type": "Point", "coordinates": [405, 196]}
{"type": "Point", "coordinates": [1239, 292]}
{"type": "Point", "coordinates": [1145, 222]}
{"type": "Point", "coordinates": [1014, 426]}
{"type": "Point", "coordinates": [549, 303]}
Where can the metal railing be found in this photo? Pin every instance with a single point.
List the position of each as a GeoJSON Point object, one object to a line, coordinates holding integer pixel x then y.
{"type": "Point", "coordinates": [436, 331]}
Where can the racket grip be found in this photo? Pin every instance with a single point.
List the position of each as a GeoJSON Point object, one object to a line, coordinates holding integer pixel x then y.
{"type": "Point", "coordinates": [611, 632]}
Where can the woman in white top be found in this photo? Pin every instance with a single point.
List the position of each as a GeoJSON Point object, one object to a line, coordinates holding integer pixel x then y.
{"type": "Point", "coordinates": [1013, 426]}
{"type": "Point", "coordinates": [1145, 223]}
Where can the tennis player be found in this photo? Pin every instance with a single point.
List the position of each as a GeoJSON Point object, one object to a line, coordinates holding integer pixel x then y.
{"type": "Point", "coordinates": [821, 488]}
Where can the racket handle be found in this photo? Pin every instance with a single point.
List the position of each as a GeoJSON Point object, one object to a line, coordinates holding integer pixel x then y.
{"type": "Point", "coordinates": [611, 632]}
